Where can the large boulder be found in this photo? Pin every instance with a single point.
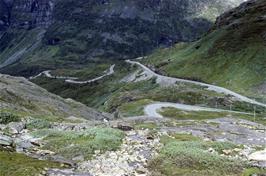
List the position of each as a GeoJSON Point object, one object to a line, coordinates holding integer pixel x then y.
{"type": "Point", "coordinates": [5, 140]}
{"type": "Point", "coordinates": [16, 127]}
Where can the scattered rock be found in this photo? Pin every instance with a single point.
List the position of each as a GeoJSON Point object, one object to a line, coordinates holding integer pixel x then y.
{"type": "Point", "coordinates": [45, 152]}
{"type": "Point", "coordinates": [130, 159]}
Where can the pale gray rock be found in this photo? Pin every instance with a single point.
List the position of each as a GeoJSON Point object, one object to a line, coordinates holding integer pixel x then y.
{"type": "Point", "coordinates": [5, 140]}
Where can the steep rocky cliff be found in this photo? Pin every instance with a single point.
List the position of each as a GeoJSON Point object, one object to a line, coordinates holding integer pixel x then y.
{"type": "Point", "coordinates": [25, 13]}
{"type": "Point", "coordinates": [79, 30]}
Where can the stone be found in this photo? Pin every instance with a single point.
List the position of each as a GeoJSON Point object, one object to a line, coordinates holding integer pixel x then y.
{"type": "Point", "coordinates": [227, 152]}
{"type": "Point", "coordinates": [258, 156]}
{"type": "Point", "coordinates": [45, 152]}
{"type": "Point", "coordinates": [141, 170]}
{"type": "Point", "coordinates": [211, 150]}
{"type": "Point", "coordinates": [125, 127]}
{"type": "Point", "coordinates": [237, 149]}
{"type": "Point", "coordinates": [78, 158]}
{"type": "Point", "coordinates": [16, 127]}
{"type": "Point", "coordinates": [5, 140]}
{"type": "Point", "coordinates": [22, 144]}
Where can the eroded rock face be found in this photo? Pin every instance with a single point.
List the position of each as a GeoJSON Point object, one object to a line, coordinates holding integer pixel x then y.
{"type": "Point", "coordinates": [119, 29]}
{"type": "Point", "coordinates": [25, 13]}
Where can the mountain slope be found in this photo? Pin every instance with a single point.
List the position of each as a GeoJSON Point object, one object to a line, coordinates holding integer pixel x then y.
{"type": "Point", "coordinates": [232, 54]}
{"type": "Point", "coordinates": [20, 95]}
{"type": "Point", "coordinates": [77, 31]}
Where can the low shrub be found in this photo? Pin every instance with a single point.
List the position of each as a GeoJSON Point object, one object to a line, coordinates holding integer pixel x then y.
{"type": "Point", "coordinates": [71, 144]}
{"type": "Point", "coordinates": [38, 124]}
{"type": "Point", "coordinates": [180, 156]}
{"type": "Point", "coordinates": [6, 117]}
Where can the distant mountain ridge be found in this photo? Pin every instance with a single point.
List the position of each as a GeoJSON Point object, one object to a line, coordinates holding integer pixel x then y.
{"type": "Point", "coordinates": [77, 31]}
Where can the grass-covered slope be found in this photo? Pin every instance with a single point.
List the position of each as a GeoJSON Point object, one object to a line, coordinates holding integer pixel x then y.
{"type": "Point", "coordinates": [232, 54]}
{"type": "Point", "coordinates": [20, 95]}
{"type": "Point", "coordinates": [14, 164]}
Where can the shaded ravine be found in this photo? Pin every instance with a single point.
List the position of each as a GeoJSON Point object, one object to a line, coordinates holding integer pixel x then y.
{"type": "Point", "coordinates": [152, 109]}
{"type": "Point", "coordinates": [72, 80]}
{"type": "Point", "coordinates": [170, 80]}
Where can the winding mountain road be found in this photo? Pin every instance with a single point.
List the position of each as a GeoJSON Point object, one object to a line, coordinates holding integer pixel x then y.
{"type": "Point", "coordinates": [152, 110]}
{"type": "Point", "coordinates": [108, 73]}
{"type": "Point", "coordinates": [72, 80]}
{"type": "Point", "coordinates": [170, 80]}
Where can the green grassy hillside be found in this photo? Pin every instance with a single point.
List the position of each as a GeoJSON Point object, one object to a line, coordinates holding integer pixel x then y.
{"type": "Point", "coordinates": [232, 54]}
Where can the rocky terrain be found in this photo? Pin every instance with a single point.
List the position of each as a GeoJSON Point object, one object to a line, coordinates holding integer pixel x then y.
{"type": "Point", "coordinates": [153, 118]}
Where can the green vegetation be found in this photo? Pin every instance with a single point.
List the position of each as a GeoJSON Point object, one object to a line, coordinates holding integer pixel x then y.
{"type": "Point", "coordinates": [232, 57]}
{"type": "Point", "coordinates": [191, 115]}
{"type": "Point", "coordinates": [203, 115]}
{"type": "Point", "coordinates": [7, 117]}
{"type": "Point", "coordinates": [90, 71]}
{"type": "Point", "coordinates": [254, 171]}
{"type": "Point", "coordinates": [129, 98]}
{"type": "Point", "coordinates": [72, 144]}
{"type": "Point", "coordinates": [38, 124]}
{"type": "Point", "coordinates": [135, 108]}
{"type": "Point", "coordinates": [186, 155]}
{"type": "Point", "coordinates": [13, 164]}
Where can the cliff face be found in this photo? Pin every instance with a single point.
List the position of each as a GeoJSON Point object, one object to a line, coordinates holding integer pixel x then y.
{"type": "Point", "coordinates": [111, 29]}
{"type": "Point", "coordinates": [25, 13]}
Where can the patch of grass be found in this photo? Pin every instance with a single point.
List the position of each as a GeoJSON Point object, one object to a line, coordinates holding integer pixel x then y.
{"type": "Point", "coordinates": [7, 117]}
{"type": "Point", "coordinates": [254, 171]}
{"type": "Point", "coordinates": [179, 137]}
{"type": "Point", "coordinates": [84, 72]}
{"type": "Point", "coordinates": [14, 164]}
{"type": "Point", "coordinates": [186, 155]}
{"type": "Point", "coordinates": [203, 115]}
{"type": "Point", "coordinates": [191, 115]}
{"type": "Point", "coordinates": [71, 144]}
{"type": "Point", "coordinates": [135, 108]}
{"type": "Point", "coordinates": [38, 124]}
